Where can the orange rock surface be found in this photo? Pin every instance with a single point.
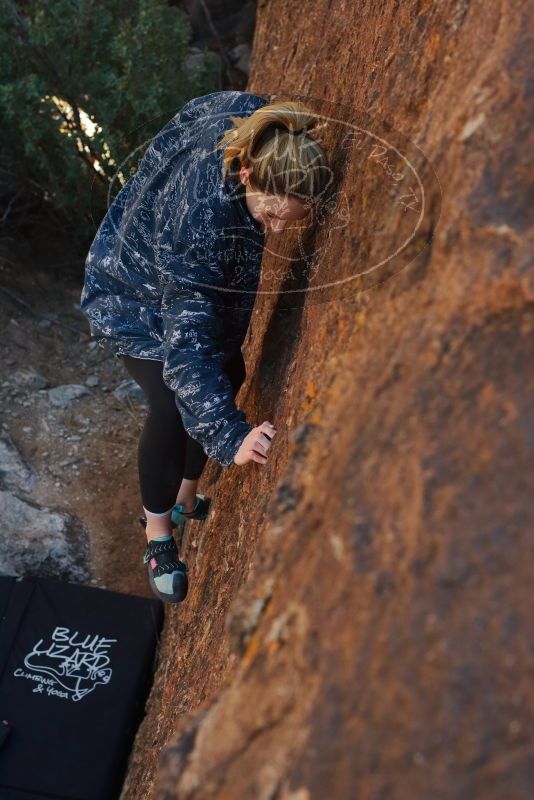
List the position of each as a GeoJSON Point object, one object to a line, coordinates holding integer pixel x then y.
{"type": "Point", "coordinates": [357, 624]}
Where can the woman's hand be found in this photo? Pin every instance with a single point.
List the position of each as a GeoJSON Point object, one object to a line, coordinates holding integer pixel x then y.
{"type": "Point", "coordinates": [255, 444]}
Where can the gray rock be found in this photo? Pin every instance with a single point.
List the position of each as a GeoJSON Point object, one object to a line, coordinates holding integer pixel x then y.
{"type": "Point", "coordinates": [63, 396]}
{"type": "Point", "coordinates": [131, 390]}
{"type": "Point", "coordinates": [28, 378]}
{"type": "Point", "coordinates": [39, 542]}
{"type": "Point", "coordinates": [14, 472]}
{"type": "Point", "coordinates": [240, 56]}
{"type": "Point", "coordinates": [196, 58]}
{"type": "Point", "coordinates": [193, 58]}
{"type": "Point", "coordinates": [92, 380]}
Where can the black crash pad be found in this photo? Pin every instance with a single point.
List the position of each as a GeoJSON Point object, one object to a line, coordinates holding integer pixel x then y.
{"type": "Point", "coordinates": [76, 665]}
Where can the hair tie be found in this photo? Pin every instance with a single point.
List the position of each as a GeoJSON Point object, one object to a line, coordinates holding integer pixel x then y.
{"type": "Point", "coordinates": [279, 127]}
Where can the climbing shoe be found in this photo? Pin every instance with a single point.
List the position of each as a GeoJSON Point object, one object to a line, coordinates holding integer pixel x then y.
{"type": "Point", "coordinates": [179, 516]}
{"type": "Point", "coordinates": [166, 573]}
{"type": "Point", "coordinates": [200, 510]}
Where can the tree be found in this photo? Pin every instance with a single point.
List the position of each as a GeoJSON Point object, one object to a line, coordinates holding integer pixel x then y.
{"type": "Point", "coordinates": [84, 86]}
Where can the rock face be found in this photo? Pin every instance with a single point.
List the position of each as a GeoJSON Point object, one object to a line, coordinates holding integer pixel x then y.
{"type": "Point", "coordinates": [357, 622]}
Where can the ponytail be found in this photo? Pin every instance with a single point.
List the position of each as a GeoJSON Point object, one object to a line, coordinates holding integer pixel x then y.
{"type": "Point", "coordinates": [275, 142]}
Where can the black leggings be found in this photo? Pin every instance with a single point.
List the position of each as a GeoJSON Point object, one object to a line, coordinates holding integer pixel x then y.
{"type": "Point", "coordinates": [166, 453]}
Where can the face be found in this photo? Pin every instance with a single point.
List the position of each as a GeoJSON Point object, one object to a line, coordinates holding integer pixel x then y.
{"type": "Point", "coordinates": [273, 211]}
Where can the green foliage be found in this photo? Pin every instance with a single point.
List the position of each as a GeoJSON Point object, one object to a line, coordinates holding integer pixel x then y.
{"type": "Point", "coordinates": [121, 63]}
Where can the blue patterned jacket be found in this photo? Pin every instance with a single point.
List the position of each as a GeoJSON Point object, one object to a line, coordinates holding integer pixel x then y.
{"type": "Point", "coordinates": [174, 268]}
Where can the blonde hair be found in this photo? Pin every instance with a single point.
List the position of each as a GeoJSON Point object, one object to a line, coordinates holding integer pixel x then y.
{"type": "Point", "coordinates": [275, 142]}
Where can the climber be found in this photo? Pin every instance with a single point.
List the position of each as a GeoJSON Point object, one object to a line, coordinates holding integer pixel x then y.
{"type": "Point", "coordinates": [170, 282]}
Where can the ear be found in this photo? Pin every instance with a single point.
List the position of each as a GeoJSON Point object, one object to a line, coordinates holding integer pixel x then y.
{"type": "Point", "coordinates": [244, 174]}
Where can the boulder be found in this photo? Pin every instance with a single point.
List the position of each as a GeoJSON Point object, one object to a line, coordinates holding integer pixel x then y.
{"type": "Point", "coordinates": [358, 618]}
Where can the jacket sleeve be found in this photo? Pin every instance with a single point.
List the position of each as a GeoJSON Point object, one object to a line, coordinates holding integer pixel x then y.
{"type": "Point", "coordinates": [194, 355]}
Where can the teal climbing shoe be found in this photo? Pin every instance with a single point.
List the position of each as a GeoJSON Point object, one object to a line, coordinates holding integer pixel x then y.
{"type": "Point", "coordinates": [179, 516]}
{"type": "Point", "coordinates": [200, 511]}
{"type": "Point", "coordinates": [167, 575]}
